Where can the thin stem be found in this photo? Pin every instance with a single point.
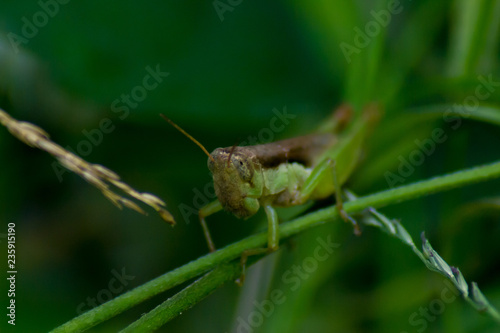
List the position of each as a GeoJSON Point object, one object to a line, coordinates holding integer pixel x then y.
{"type": "Point", "coordinates": [185, 299]}
{"type": "Point", "coordinates": [233, 251]}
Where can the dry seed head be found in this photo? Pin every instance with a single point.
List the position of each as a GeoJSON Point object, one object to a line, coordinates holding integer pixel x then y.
{"type": "Point", "coordinates": [34, 129]}
{"type": "Point", "coordinates": [148, 197]}
{"type": "Point", "coordinates": [106, 172]}
{"type": "Point", "coordinates": [115, 199]}
{"type": "Point", "coordinates": [51, 148]}
{"type": "Point", "coordinates": [124, 187]}
{"type": "Point", "coordinates": [166, 216]}
{"type": "Point", "coordinates": [70, 165]}
{"type": "Point", "coordinates": [132, 205]}
{"type": "Point", "coordinates": [92, 179]}
{"type": "Point", "coordinates": [95, 174]}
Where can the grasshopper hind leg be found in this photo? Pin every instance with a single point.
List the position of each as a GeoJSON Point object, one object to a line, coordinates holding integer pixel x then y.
{"type": "Point", "coordinates": [317, 176]}
{"type": "Point", "coordinates": [339, 202]}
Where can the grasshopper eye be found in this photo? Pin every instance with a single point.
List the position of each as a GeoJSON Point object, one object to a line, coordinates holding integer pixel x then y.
{"type": "Point", "coordinates": [244, 169]}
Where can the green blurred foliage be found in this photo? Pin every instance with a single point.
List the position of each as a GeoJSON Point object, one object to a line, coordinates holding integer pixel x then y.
{"type": "Point", "coordinates": [225, 79]}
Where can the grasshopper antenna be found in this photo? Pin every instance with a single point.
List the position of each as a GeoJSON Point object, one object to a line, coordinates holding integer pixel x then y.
{"type": "Point", "coordinates": [188, 135]}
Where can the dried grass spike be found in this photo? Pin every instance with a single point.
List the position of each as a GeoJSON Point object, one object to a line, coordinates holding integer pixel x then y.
{"type": "Point", "coordinates": [94, 180]}
{"type": "Point", "coordinates": [124, 187]}
{"type": "Point", "coordinates": [95, 174]}
{"type": "Point", "coordinates": [132, 205]}
{"type": "Point", "coordinates": [52, 148]}
{"type": "Point", "coordinates": [148, 197]}
{"type": "Point", "coordinates": [105, 172]}
{"type": "Point", "coordinates": [115, 199]}
{"type": "Point", "coordinates": [166, 216]}
{"type": "Point", "coordinates": [33, 128]}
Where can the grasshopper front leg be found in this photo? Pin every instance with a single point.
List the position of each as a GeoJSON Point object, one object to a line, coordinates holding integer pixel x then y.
{"type": "Point", "coordinates": [272, 241]}
{"type": "Point", "coordinates": [320, 174]}
{"type": "Point", "coordinates": [205, 211]}
{"type": "Point", "coordinates": [272, 234]}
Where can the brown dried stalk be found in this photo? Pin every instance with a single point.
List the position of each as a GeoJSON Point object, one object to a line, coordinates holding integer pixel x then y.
{"type": "Point", "coordinates": [94, 174]}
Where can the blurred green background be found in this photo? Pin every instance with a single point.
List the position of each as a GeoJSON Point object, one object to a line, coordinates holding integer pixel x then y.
{"type": "Point", "coordinates": [229, 68]}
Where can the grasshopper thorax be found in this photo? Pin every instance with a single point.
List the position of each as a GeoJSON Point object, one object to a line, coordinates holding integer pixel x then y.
{"type": "Point", "coordinates": [237, 180]}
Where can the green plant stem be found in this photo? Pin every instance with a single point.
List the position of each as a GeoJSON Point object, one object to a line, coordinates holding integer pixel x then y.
{"type": "Point", "coordinates": [233, 251]}
{"type": "Point", "coordinates": [185, 299]}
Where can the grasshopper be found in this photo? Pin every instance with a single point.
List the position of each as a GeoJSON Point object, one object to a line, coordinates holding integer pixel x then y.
{"type": "Point", "coordinates": [285, 173]}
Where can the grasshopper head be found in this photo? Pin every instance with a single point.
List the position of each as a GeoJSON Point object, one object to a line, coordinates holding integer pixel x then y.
{"type": "Point", "coordinates": [237, 180]}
